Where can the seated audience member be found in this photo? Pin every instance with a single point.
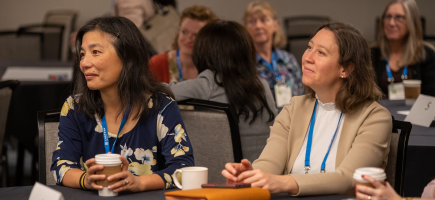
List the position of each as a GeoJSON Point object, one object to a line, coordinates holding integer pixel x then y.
{"type": "Point", "coordinates": [227, 74]}
{"type": "Point", "coordinates": [386, 192]}
{"type": "Point", "coordinates": [400, 52]}
{"type": "Point", "coordinates": [273, 64]}
{"type": "Point", "coordinates": [112, 85]}
{"type": "Point", "coordinates": [318, 141]}
{"type": "Point", "coordinates": [176, 65]}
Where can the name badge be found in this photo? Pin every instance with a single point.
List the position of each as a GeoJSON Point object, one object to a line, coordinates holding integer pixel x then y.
{"type": "Point", "coordinates": [283, 94]}
{"type": "Point", "coordinates": [396, 91]}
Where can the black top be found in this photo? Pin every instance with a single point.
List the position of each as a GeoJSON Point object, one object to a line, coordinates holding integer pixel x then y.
{"type": "Point", "coordinates": [424, 71]}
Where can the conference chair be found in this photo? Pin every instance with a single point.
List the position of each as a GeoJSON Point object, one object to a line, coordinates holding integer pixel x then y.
{"type": "Point", "coordinates": [48, 123]}
{"type": "Point", "coordinates": [21, 46]}
{"type": "Point", "coordinates": [395, 169]}
{"type": "Point", "coordinates": [6, 90]}
{"type": "Point", "coordinates": [213, 130]}
{"type": "Point", "coordinates": [299, 31]}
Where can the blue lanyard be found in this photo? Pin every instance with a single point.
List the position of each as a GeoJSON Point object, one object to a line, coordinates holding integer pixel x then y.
{"type": "Point", "coordinates": [390, 75]}
{"type": "Point", "coordinates": [272, 66]}
{"type": "Point", "coordinates": [310, 140]}
{"type": "Point", "coordinates": [106, 135]}
{"type": "Point", "coordinates": [180, 73]}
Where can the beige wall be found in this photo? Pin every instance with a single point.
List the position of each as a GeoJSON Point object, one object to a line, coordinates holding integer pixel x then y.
{"type": "Point", "coordinates": [361, 13]}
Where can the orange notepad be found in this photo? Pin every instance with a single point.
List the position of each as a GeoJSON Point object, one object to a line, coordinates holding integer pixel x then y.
{"type": "Point", "coordinates": [220, 193]}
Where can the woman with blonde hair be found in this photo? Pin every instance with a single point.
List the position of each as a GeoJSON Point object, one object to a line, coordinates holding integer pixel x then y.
{"type": "Point", "coordinates": [177, 65]}
{"type": "Point", "coordinates": [400, 52]}
{"type": "Point", "coordinates": [277, 66]}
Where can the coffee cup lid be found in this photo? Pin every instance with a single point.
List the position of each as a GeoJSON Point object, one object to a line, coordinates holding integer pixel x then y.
{"type": "Point", "coordinates": [107, 159]}
{"type": "Point", "coordinates": [376, 173]}
{"type": "Point", "coordinates": [412, 82]}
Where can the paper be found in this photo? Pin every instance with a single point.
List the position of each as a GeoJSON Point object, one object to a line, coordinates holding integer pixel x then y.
{"type": "Point", "coordinates": [403, 112]}
{"type": "Point", "coordinates": [42, 192]}
{"type": "Point", "coordinates": [423, 111]}
{"type": "Point", "coordinates": [38, 73]}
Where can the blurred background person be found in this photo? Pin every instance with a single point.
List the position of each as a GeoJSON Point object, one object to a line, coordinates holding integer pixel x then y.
{"type": "Point", "coordinates": [273, 64]}
{"type": "Point", "coordinates": [400, 52]}
{"type": "Point", "coordinates": [317, 141]}
{"type": "Point", "coordinates": [177, 65]}
{"type": "Point", "coordinates": [224, 55]}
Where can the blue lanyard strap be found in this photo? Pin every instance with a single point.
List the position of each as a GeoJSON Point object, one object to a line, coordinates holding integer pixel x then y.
{"type": "Point", "coordinates": [390, 75]}
{"type": "Point", "coordinates": [180, 73]}
{"type": "Point", "coordinates": [307, 166]}
{"type": "Point", "coordinates": [106, 134]}
{"type": "Point", "coordinates": [272, 66]}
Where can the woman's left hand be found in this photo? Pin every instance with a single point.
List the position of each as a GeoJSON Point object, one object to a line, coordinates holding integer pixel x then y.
{"type": "Point", "coordinates": [271, 182]}
{"type": "Point", "coordinates": [380, 192]}
{"type": "Point", "coordinates": [128, 181]}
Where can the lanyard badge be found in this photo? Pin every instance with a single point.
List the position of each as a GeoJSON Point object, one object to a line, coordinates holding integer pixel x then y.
{"type": "Point", "coordinates": [396, 91]}
{"type": "Point", "coordinates": [307, 166]}
{"type": "Point", "coordinates": [106, 134]}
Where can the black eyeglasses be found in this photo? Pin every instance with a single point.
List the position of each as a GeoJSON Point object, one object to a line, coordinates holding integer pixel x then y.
{"type": "Point", "coordinates": [397, 18]}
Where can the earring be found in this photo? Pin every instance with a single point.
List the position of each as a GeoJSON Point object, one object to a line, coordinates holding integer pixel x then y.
{"type": "Point", "coordinates": [342, 76]}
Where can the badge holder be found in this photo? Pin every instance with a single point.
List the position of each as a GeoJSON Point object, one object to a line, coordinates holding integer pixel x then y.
{"type": "Point", "coordinates": [283, 94]}
{"type": "Point", "coordinates": [396, 91]}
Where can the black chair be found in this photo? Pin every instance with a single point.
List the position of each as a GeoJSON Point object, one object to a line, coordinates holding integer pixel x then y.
{"type": "Point", "coordinates": [299, 31]}
{"type": "Point", "coordinates": [14, 43]}
{"type": "Point", "coordinates": [6, 90]}
{"type": "Point", "coordinates": [395, 169]}
{"type": "Point", "coordinates": [51, 39]}
{"type": "Point", "coordinates": [48, 123]}
{"type": "Point", "coordinates": [213, 130]}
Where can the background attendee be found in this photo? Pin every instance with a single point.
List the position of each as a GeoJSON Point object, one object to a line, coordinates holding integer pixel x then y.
{"type": "Point", "coordinates": [224, 55]}
{"type": "Point", "coordinates": [314, 153]}
{"type": "Point", "coordinates": [177, 65]}
{"type": "Point", "coordinates": [112, 84]}
{"type": "Point", "coordinates": [400, 48]}
{"type": "Point", "coordinates": [386, 192]}
{"type": "Point", "coordinates": [273, 64]}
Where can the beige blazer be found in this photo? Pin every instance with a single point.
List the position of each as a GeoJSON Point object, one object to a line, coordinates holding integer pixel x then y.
{"type": "Point", "coordinates": [364, 142]}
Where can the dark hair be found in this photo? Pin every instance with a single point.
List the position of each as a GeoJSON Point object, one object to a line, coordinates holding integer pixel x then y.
{"type": "Point", "coordinates": [354, 50]}
{"type": "Point", "coordinates": [135, 83]}
{"type": "Point", "coordinates": [227, 49]}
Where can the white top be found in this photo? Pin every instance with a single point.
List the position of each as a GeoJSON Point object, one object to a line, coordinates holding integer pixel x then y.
{"type": "Point", "coordinates": [327, 117]}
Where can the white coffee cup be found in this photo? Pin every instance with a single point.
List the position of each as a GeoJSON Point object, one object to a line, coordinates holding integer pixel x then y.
{"type": "Point", "coordinates": [112, 165]}
{"type": "Point", "coordinates": [374, 172]}
{"type": "Point", "coordinates": [192, 177]}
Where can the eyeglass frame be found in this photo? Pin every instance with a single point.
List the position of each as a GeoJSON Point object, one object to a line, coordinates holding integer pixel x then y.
{"type": "Point", "coordinates": [397, 18]}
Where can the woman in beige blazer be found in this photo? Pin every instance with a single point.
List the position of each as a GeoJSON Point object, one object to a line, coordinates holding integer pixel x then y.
{"type": "Point", "coordinates": [351, 129]}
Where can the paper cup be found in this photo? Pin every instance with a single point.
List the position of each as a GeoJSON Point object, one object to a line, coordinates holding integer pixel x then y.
{"type": "Point", "coordinates": [412, 91]}
{"type": "Point", "coordinates": [112, 165]}
{"type": "Point", "coordinates": [374, 172]}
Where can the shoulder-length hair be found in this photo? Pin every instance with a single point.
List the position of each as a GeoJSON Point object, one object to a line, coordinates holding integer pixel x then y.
{"type": "Point", "coordinates": [196, 12]}
{"type": "Point", "coordinates": [227, 49]}
{"type": "Point", "coordinates": [360, 86]}
{"type": "Point", "coordinates": [258, 7]}
{"type": "Point", "coordinates": [414, 46]}
{"type": "Point", "coordinates": [135, 83]}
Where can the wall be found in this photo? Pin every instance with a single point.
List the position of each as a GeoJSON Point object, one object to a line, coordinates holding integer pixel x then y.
{"type": "Point", "coordinates": [361, 13]}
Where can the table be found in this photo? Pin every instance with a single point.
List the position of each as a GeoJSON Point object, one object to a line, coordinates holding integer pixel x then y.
{"type": "Point", "coordinates": [18, 193]}
{"type": "Point", "coordinates": [420, 163]}
{"type": "Point", "coordinates": [28, 98]}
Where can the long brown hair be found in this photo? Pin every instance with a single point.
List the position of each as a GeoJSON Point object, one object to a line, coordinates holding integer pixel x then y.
{"type": "Point", "coordinates": [354, 50]}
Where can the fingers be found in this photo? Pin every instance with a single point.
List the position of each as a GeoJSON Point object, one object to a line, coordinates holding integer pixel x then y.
{"type": "Point", "coordinates": [249, 176]}
{"type": "Point", "coordinates": [373, 181]}
{"type": "Point", "coordinates": [121, 185]}
{"type": "Point", "coordinates": [90, 162]}
{"type": "Point", "coordinates": [246, 164]}
{"type": "Point", "coordinates": [364, 190]}
{"type": "Point", "coordinates": [94, 168]}
{"type": "Point", "coordinates": [125, 163]}
{"type": "Point", "coordinates": [229, 176]}
{"type": "Point", "coordinates": [231, 168]}
{"type": "Point", "coordinates": [362, 196]}
{"type": "Point", "coordinates": [92, 178]}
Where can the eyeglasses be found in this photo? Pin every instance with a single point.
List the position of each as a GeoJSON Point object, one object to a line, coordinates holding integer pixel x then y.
{"type": "Point", "coordinates": [397, 18]}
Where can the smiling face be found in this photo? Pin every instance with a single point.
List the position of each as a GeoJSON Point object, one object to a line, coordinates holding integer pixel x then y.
{"type": "Point", "coordinates": [395, 25]}
{"type": "Point", "coordinates": [99, 61]}
{"type": "Point", "coordinates": [320, 66]}
{"type": "Point", "coordinates": [261, 26]}
{"type": "Point", "coordinates": [186, 37]}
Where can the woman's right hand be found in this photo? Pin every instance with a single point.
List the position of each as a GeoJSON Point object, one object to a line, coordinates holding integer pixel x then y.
{"type": "Point", "coordinates": [91, 177]}
{"type": "Point", "coordinates": [232, 170]}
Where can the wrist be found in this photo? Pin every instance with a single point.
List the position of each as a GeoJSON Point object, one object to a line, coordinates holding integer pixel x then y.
{"type": "Point", "coordinates": [291, 186]}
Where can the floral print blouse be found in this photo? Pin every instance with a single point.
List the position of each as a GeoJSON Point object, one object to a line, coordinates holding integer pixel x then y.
{"type": "Point", "coordinates": [288, 68]}
{"type": "Point", "coordinates": [157, 144]}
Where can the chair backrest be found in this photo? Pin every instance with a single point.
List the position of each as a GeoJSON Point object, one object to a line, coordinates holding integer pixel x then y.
{"type": "Point", "coordinates": [48, 123]}
{"type": "Point", "coordinates": [395, 169]}
{"type": "Point", "coordinates": [6, 89]}
{"type": "Point", "coordinates": [14, 44]}
{"type": "Point", "coordinates": [66, 18]}
{"type": "Point", "coordinates": [214, 133]}
{"type": "Point", "coordinates": [299, 31]}
{"type": "Point", "coordinates": [51, 38]}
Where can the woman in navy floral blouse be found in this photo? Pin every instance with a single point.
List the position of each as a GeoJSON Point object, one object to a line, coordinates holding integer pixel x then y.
{"type": "Point", "coordinates": [111, 83]}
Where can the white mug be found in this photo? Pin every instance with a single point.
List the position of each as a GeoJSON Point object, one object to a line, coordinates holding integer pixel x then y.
{"type": "Point", "coordinates": [192, 177]}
